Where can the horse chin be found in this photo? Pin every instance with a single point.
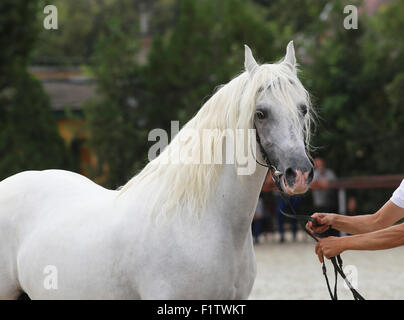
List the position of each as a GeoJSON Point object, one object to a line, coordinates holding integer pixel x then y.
{"type": "Point", "coordinates": [296, 189]}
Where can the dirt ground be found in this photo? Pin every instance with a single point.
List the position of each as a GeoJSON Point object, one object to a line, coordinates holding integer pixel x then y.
{"type": "Point", "coordinates": [291, 270]}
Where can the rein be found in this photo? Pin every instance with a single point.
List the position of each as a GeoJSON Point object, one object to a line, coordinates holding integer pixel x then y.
{"type": "Point", "coordinates": [302, 219]}
{"type": "Point", "coordinates": [336, 261]}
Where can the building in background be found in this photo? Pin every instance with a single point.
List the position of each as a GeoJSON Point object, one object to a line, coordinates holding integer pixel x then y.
{"type": "Point", "coordinates": [68, 89]}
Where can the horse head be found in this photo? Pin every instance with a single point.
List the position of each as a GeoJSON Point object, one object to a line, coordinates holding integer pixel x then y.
{"type": "Point", "coordinates": [282, 120]}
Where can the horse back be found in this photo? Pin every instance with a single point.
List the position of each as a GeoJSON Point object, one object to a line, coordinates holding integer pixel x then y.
{"type": "Point", "coordinates": [31, 195]}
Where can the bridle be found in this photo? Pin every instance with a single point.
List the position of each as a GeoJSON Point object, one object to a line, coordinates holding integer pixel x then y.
{"type": "Point", "coordinates": [302, 219]}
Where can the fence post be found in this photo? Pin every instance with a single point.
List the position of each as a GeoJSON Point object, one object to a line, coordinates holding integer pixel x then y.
{"type": "Point", "coordinates": [341, 201]}
{"type": "Point", "coordinates": [342, 204]}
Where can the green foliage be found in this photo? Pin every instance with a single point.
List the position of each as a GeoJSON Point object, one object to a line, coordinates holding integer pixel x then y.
{"type": "Point", "coordinates": [349, 76]}
{"type": "Point", "coordinates": [296, 18]}
{"type": "Point", "coordinates": [183, 70]}
{"type": "Point", "coordinates": [18, 32]}
{"type": "Point", "coordinates": [80, 24]}
{"type": "Point", "coordinates": [113, 117]}
{"type": "Point", "coordinates": [29, 139]}
{"type": "Point", "coordinates": [355, 77]}
{"type": "Point", "coordinates": [28, 132]}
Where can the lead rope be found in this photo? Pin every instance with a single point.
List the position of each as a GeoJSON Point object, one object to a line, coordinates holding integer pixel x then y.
{"type": "Point", "coordinates": [301, 219]}
{"type": "Point", "coordinates": [336, 261]}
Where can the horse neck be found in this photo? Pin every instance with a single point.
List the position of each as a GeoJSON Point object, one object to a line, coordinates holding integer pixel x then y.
{"type": "Point", "coordinates": [235, 200]}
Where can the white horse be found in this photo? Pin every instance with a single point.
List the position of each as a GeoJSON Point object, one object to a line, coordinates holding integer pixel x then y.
{"type": "Point", "coordinates": [174, 231]}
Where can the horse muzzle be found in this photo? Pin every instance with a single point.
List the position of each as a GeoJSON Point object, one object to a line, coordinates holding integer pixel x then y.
{"type": "Point", "coordinates": [294, 181]}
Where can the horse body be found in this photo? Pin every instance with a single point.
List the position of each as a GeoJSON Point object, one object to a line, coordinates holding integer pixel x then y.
{"type": "Point", "coordinates": [54, 218]}
{"type": "Point", "coordinates": [208, 258]}
{"type": "Point", "coordinates": [105, 250]}
{"type": "Point", "coordinates": [175, 231]}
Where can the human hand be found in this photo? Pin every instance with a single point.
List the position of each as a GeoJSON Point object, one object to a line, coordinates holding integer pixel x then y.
{"type": "Point", "coordinates": [329, 247]}
{"type": "Point", "coordinates": [322, 222]}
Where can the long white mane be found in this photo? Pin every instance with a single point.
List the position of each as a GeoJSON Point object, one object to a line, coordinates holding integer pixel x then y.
{"type": "Point", "coordinates": [231, 107]}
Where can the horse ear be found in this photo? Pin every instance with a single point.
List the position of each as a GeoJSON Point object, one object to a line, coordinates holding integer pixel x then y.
{"type": "Point", "coordinates": [290, 55]}
{"type": "Point", "coordinates": [249, 62]}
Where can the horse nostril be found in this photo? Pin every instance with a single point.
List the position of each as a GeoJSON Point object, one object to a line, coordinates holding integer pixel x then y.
{"type": "Point", "coordinates": [290, 176]}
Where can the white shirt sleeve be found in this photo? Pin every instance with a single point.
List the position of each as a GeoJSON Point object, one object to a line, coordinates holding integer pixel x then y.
{"type": "Point", "coordinates": [398, 196]}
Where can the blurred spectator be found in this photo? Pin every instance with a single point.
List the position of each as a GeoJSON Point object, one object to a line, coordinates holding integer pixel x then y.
{"type": "Point", "coordinates": [324, 199]}
{"type": "Point", "coordinates": [258, 219]}
{"type": "Point", "coordinates": [269, 219]}
{"type": "Point", "coordinates": [351, 206]}
{"type": "Point", "coordinates": [282, 205]}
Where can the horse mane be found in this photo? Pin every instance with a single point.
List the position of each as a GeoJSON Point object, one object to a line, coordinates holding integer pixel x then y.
{"type": "Point", "coordinates": [232, 106]}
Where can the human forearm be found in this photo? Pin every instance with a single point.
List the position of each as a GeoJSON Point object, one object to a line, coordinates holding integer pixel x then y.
{"type": "Point", "coordinates": [356, 224]}
{"type": "Point", "coordinates": [378, 240]}
{"type": "Point", "coordinates": [364, 227]}
{"type": "Point", "coordinates": [388, 238]}
{"type": "Point", "coordinates": [383, 218]}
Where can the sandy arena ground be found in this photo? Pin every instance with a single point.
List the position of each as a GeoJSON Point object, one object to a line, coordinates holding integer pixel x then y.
{"type": "Point", "coordinates": [291, 270]}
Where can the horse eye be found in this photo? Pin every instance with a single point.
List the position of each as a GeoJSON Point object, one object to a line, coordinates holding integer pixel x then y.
{"type": "Point", "coordinates": [260, 115]}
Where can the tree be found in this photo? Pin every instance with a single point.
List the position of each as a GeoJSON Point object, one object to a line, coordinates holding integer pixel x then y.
{"type": "Point", "coordinates": [190, 67]}
{"type": "Point", "coordinates": [29, 139]}
{"type": "Point", "coordinates": [18, 33]}
{"type": "Point", "coordinates": [80, 24]}
{"type": "Point", "coordinates": [355, 78]}
{"type": "Point", "coordinates": [28, 132]}
{"type": "Point", "coordinates": [117, 134]}
{"type": "Point", "coordinates": [181, 71]}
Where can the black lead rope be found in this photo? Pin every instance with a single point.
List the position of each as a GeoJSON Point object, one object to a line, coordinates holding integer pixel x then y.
{"type": "Point", "coordinates": [302, 219]}
{"type": "Point", "coordinates": [336, 261]}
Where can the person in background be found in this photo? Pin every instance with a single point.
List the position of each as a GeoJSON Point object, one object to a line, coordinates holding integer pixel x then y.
{"type": "Point", "coordinates": [324, 199]}
{"type": "Point", "coordinates": [350, 211]}
{"type": "Point", "coordinates": [258, 219]}
{"type": "Point", "coordinates": [351, 206]}
{"type": "Point", "coordinates": [282, 205]}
